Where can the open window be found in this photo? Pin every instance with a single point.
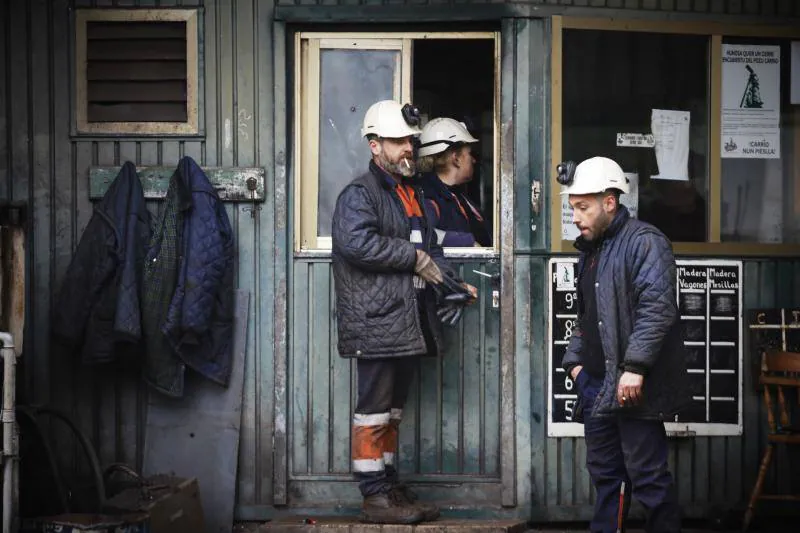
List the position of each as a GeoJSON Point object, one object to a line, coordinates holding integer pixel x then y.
{"type": "Point", "coordinates": [339, 75]}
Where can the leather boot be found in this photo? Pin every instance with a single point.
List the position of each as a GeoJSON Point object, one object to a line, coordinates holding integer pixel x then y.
{"type": "Point", "coordinates": [389, 508]}
{"type": "Point", "coordinates": [430, 511]}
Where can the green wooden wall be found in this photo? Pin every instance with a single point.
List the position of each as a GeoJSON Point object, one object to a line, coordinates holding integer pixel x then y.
{"type": "Point", "coordinates": [244, 70]}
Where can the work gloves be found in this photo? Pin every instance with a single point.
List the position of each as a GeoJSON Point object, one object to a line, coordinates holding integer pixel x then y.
{"type": "Point", "coordinates": [427, 269]}
{"type": "Point", "coordinates": [451, 295]}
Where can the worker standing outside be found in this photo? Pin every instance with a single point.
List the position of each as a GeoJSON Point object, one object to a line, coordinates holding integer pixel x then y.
{"type": "Point", "coordinates": [447, 163]}
{"type": "Point", "coordinates": [393, 288]}
{"type": "Point", "coordinates": [626, 355]}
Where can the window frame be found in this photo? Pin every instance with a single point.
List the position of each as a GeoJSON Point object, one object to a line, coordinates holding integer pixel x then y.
{"type": "Point", "coordinates": [715, 32]}
{"type": "Point", "coordinates": [307, 65]}
{"type": "Point", "coordinates": [81, 124]}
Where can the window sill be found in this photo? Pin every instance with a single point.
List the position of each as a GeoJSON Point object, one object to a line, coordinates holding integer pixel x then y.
{"type": "Point", "coordinates": [450, 253]}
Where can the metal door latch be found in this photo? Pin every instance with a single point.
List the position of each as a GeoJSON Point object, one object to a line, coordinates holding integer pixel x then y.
{"type": "Point", "coordinates": [495, 287]}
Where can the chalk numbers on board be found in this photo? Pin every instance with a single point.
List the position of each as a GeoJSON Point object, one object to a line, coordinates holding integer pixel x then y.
{"type": "Point", "coordinates": [570, 299]}
{"type": "Point", "coordinates": [568, 326]}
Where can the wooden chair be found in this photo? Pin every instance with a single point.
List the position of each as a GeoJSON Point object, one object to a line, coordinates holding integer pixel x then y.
{"type": "Point", "coordinates": [779, 370]}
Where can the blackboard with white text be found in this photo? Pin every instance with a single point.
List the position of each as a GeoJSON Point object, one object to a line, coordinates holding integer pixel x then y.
{"type": "Point", "coordinates": [709, 297]}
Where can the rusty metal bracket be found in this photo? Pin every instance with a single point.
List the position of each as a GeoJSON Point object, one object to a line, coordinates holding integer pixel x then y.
{"type": "Point", "coordinates": [233, 184]}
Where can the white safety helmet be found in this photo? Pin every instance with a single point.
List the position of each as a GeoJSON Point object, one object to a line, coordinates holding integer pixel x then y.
{"type": "Point", "coordinates": [596, 175]}
{"type": "Point", "coordinates": [440, 134]}
{"type": "Point", "coordinates": [385, 119]}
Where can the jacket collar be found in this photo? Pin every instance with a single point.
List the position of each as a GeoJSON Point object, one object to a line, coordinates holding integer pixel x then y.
{"type": "Point", "coordinates": [620, 219]}
{"type": "Point", "coordinates": [439, 186]}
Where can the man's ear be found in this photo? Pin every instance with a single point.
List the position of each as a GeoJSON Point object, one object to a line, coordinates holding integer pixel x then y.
{"type": "Point", "coordinates": [610, 203]}
{"type": "Point", "coordinates": [375, 147]}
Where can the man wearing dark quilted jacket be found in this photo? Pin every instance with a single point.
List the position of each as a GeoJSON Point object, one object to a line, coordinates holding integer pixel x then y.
{"type": "Point", "coordinates": [626, 355]}
{"type": "Point", "coordinates": [393, 286]}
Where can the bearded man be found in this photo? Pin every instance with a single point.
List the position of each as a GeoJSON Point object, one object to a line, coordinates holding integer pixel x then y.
{"type": "Point", "coordinates": [391, 281]}
{"type": "Point", "coordinates": [626, 354]}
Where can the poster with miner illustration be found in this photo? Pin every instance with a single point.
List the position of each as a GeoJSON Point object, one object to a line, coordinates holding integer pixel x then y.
{"type": "Point", "coordinates": [751, 101]}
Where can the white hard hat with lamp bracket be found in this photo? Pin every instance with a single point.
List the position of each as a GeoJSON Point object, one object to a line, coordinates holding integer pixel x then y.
{"type": "Point", "coordinates": [592, 176]}
{"type": "Point", "coordinates": [391, 120]}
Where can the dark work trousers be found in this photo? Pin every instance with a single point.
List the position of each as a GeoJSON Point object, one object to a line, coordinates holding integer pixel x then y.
{"type": "Point", "coordinates": [635, 451]}
{"type": "Point", "coordinates": [383, 386]}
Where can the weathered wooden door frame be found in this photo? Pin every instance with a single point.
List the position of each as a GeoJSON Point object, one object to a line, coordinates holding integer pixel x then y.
{"type": "Point", "coordinates": [283, 255]}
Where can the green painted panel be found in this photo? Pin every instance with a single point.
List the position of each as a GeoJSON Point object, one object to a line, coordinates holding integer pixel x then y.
{"type": "Point", "coordinates": [343, 373]}
{"type": "Point", "coordinates": [298, 386]}
{"type": "Point", "coordinates": [452, 391]}
{"type": "Point", "coordinates": [472, 380]}
{"type": "Point", "coordinates": [320, 354]}
{"type": "Point", "coordinates": [232, 184]}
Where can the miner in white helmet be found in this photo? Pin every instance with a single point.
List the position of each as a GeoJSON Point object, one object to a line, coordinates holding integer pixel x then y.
{"type": "Point", "coordinates": [626, 354]}
{"type": "Point", "coordinates": [393, 288]}
{"type": "Point", "coordinates": [447, 162]}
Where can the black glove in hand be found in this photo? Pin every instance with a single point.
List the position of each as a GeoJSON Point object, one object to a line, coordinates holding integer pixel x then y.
{"type": "Point", "coordinates": [452, 291]}
{"type": "Point", "coordinates": [450, 314]}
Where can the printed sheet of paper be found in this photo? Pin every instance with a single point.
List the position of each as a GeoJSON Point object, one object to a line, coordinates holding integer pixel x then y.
{"type": "Point", "coordinates": [631, 199]}
{"type": "Point", "coordinates": [671, 132]}
{"type": "Point", "coordinates": [751, 101]}
{"type": "Point", "coordinates": [569, 232]}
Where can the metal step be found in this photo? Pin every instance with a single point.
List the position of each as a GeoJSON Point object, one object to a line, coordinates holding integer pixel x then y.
{"type": "Point", "coordinates": [299, 524]}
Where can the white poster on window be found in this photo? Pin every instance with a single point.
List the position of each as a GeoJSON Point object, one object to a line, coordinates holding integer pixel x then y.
{"type": "Point", "coordinates": [751, 101]}
{"type": "Point", "coordinates": [671, 132]}
{"type": "Point", "coordinates": [569, 231]}
{"type": "Point", "coordinates": [631, 199]}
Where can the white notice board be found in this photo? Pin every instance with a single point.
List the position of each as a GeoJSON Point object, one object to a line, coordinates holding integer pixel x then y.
{"type": "Point", "coordinates": [709, 294]}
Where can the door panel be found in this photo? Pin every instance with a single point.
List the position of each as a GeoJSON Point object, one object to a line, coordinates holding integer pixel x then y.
{"type": "Point", "coordinates": [451, 424]}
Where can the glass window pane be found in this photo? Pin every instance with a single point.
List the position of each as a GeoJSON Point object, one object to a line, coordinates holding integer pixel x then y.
{"type": "Point", "coordinates": [760, 134]}
{"type": "Point", "coordinates": [350, 81]}
{"type": "Point", "coordinates": [612, 82]}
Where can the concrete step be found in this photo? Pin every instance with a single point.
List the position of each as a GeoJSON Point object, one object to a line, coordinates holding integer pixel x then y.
{"type": "Point", "coordinates": [352, 525]}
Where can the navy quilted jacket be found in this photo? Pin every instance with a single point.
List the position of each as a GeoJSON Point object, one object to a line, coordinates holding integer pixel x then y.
{"type": "Point", "coordinates": [638, 320]}
{"type": "Point", "coordinates": [373, 266]}
{"type": "Point", "coordinates": [199, 320]}
{"type": "Point", "coordinates": [98, 306]}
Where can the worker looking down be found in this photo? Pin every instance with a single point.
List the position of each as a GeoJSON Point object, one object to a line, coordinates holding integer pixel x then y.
{"type": "Point", "coordinates": [626, 354]}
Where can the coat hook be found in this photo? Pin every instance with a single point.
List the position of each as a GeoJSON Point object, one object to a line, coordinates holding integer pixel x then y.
{"type": "Point", "coordinates": [252, 185]}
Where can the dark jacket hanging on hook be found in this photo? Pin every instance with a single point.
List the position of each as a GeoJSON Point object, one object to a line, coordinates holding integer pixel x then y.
{"type": "Point", "coordinates": [188, 286]}
{"type": "Point", "coordinates": [98, 308]}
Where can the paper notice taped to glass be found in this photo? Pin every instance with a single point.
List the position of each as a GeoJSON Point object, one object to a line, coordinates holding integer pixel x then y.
{"type": "Point", "coordinates": [631, 199]}
{"type": "Point", "coordinates": [751, 101]}
{"type": "Point", "coordinates": [671, 132]}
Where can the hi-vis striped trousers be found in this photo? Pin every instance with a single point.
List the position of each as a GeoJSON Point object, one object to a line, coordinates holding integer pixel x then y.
{"type": "Point", "coordinates": [375, 440]}
{"type": "Point", "coordinates": [382, 392]}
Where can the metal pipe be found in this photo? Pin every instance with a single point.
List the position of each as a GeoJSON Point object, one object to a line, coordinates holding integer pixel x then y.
{"type": "Point", "coordinates": [10, 437]}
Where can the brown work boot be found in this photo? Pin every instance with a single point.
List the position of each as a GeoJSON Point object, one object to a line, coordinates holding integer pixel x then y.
{"type": "Point", "coordinates": [389, 508]}
{"type": "Point", "coordinates": [430, 511]}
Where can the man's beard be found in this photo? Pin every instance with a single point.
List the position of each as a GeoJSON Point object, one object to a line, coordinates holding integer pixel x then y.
{"type": "Point", "coordinates": [399, 167]}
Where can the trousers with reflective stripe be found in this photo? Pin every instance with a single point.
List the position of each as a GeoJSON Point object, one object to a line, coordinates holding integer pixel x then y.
{"type": "Point", "coordinates": [383, 386]}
